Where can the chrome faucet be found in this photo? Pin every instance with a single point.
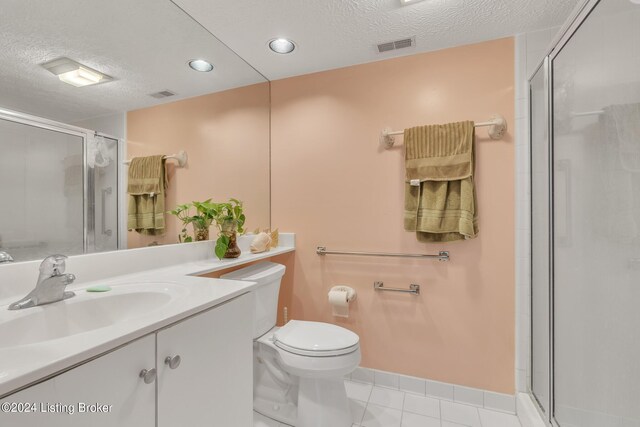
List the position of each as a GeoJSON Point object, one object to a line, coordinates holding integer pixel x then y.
{"type": "Point", "coordinates": [50, 286]}
{"type": "Point", "coordinates": [5, 257]}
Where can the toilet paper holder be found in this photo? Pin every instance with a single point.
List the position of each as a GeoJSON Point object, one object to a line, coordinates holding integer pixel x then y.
{"type": "Point", "coordinates": [413, 288]}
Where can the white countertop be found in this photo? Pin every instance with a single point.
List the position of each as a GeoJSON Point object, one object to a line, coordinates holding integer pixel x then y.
{"type": "Point", "coordinates": [23, 365]}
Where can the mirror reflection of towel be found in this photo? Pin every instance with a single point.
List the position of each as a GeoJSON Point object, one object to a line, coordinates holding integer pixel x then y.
{"type": "Point", "coordinates": [620, 159]}
{"type": "Point", "coordinates": [146, 188]}
{"type": "Point", "coordinates": [440, 198]}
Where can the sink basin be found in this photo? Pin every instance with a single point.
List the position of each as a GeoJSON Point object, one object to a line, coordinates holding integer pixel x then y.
{"type": "Point", "coordinates": [84, 313]}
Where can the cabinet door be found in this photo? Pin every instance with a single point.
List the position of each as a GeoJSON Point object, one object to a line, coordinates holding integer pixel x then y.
{"type": "Point", "coordinates": [111, 381]}
{"type": "Point", "coordinates": [213, 385]}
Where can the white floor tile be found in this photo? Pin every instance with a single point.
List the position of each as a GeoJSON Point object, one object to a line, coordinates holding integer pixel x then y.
{"type": "Point", "coordinates": [421, 405]}
{"type": "Point", "coordinates": [374, 406]}
{"type": "Point", "coordinates": [387, 397]}
{"type": "Point", "coordinates": [497, 419]}
{"type": "Point", "coordinates": [379, 416]}
{"type": "Point", "coordinates": [357, 410]}
{"type": "Point", "coordinates": [414, 420]}
{"type": "Point", "coordinates": [459, 413]}
{"type": "Point", "coordinates": [358, 391]}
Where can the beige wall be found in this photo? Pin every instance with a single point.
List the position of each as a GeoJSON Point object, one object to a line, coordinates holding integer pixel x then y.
{"type": "Point", "coordinates": [226, 136]}
{"type": "Point", "coordinates": [333, 185]}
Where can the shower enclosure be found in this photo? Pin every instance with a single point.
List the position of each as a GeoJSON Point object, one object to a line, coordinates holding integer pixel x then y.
{"type": "Point", "coordinates": [585, 221]}
{"type": "Point", "coordinates": [58, 188]}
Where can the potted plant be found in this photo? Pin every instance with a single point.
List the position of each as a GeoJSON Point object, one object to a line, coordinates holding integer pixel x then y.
{"type": "Point", "coordinates": [200, 222]}
{"type": "Point", "coordinates": [229, 218]}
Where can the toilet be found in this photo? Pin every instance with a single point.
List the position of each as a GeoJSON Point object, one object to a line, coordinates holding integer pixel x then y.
{"type": "Point", "coordinates": [299, 368]}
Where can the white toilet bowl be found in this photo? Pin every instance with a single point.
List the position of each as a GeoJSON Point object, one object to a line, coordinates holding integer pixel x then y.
{"type": "Point", "coordinates": [314, 358]}
{"type": "Point", "coordinates": [299, 368]}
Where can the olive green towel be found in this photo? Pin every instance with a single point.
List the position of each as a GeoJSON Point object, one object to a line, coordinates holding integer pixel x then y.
{"type": "Point", "coordinates": [146, 187]}
{"type": "Point", "coordinates": [440, 206]}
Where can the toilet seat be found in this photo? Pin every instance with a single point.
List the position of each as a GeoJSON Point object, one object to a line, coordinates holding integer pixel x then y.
{"type": "Point", "coordinates": [315, 339]}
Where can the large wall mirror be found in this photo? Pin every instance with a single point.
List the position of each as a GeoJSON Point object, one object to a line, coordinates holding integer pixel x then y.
{"type": "Point", "coordinates": [77, 105]}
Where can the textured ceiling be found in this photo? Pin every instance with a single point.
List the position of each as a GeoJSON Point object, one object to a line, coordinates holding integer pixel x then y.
{"type": "Point", "coordinates": [143, 44]}
{"type": "Point", "coordinates": [338, 33]}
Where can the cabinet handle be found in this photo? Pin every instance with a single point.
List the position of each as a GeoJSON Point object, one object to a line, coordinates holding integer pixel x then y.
{"type": "Point", "coordinates": [148, 376]}
{"type": "Point", "coordinates": [173, 362]}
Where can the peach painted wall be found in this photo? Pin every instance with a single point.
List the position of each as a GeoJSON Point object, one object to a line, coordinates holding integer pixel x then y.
{"type": "Point", "coordinates": [226, 136]}
{"type": "Point", "coordinates": [335, 186]}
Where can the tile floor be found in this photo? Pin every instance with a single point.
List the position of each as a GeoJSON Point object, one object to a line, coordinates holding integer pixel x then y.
{"type": "Point", "coordinates": [373, 406]}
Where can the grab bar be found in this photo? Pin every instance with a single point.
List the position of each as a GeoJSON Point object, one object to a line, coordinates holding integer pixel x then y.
{"type": "Point", "coordinates": [105, 231]}
{"type": "Point", "coordinates": [413, 289]}
{"type": "Point", "coordinates": [442, 255]}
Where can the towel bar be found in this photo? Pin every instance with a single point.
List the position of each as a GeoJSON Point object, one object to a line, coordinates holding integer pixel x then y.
{"type": "Point", "coordinates": [497, 129]}
{"type": "Point", "coordinates": [442, 255]}
{"type": "Point", "coordinates": [413, 289]}
{"type": "Point", "coordinates": [181, 157]}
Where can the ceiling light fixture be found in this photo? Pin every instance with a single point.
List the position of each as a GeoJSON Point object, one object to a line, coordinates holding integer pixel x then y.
{"type": "Point", "coordinates": [282, 45]}
{"type": "Point", "coordinates": [406, 2]}
{"type": "Point", "coordinates": [80, 77]}
{"type": "Point", "coordinates": [74, 73]}
{"type": "Point", "coordinates": [200, 65]}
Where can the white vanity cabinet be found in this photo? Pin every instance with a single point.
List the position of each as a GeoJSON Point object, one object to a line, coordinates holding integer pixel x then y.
{"type": "Point", "coordinates": [112, 379]}
{"type": "Point", "coordinates": [211, 386]}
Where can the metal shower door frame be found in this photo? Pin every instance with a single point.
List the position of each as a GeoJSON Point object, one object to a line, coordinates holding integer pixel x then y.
{"type": "Point", "coordinates": [88, 226]}
{"type": "Point", "coordinates": [580, 15]}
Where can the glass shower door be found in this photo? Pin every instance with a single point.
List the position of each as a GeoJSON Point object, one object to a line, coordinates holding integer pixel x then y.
{"type": "Point", "coordinates": [540, 265]}
{"type": "Point", "coordinates": [596, 221]}
{"type": "Point", "coordinates": [42, 191]}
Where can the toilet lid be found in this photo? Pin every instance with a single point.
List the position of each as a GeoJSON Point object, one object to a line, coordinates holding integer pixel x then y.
{"type": "Point", "coordinates": [315, 339]}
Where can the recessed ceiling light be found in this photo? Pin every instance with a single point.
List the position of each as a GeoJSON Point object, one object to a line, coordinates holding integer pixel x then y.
{"type": "Point", "coordinates": [200, 65]}
{"type": "Point", "coordinates": [74, 73]}
{"type": "Point", "coordinates": [406, 2]}
{"type": "Point", "coordinates": [282, 45]}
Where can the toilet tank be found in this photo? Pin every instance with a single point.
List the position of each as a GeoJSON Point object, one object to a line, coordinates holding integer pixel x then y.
{"type": "Point", "coordinates": [268, 276]}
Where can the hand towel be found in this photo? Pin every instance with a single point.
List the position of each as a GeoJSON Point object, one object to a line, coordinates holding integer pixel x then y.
{"type": "Point", "coordinates": [146, 188]}
{"type": "Point", "coordinates": [440, 198]}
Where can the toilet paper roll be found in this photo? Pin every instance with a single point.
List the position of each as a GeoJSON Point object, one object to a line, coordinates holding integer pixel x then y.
{"type": "Point", "coordinates": [339, 298]}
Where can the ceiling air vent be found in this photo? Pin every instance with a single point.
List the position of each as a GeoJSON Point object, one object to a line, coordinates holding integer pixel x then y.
{"type": "Point", "coordinates": [162, 94]}
{"type": "Point", "coordinates": [397, 44]}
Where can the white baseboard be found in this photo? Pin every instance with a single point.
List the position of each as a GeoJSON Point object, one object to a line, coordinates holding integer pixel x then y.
{"type": "Point", "coordinates": [527, 412]}
{"type": "Point", "coordinates": [456, 393]}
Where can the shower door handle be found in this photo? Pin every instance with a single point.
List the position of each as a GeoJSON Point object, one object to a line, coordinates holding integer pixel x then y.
{"type": "Point", "coordinates": [563, 230]}
{"type": "Point", "coordinates": [103, 211]}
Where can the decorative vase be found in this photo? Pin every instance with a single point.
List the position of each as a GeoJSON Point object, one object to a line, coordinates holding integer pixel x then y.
{"type": "Point", "coordinates": [200, 233]}
{"type": "Point", "coordinates": [229, 229]}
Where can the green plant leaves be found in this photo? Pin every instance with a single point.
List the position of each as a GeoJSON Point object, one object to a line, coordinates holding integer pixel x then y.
{"type": "Point", "coordinates": [222, 244]}
{"type": "Point", "coordinates": [208, 212]}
